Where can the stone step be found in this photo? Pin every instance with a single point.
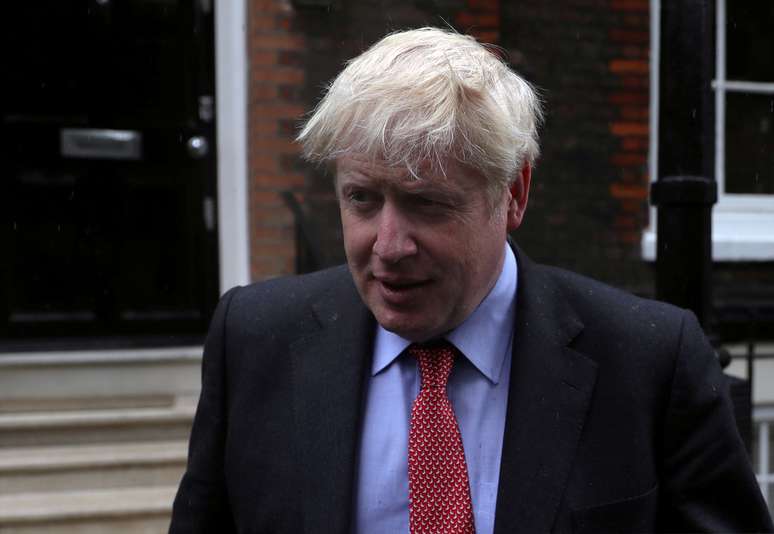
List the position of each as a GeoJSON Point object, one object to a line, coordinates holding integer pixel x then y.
{"type": "Point", "coordinates": [96, 426]}
{"type": "Point", "coordinates": [81, 467]}
{"type": "Point", "coordinates": [118, 511]}
{"type": "Point", "coordinates": [89, 379]}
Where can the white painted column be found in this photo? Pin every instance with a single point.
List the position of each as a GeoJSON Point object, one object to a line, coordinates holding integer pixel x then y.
{"type": "Point", "coordinates": [231, 67]}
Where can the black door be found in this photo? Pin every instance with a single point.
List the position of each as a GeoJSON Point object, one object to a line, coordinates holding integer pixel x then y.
{"type": "Point", "coordinates": [107, 172]}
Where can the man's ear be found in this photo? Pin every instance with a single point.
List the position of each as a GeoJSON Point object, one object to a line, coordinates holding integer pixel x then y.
{"type": "Point", "coordinates": [519, 193]}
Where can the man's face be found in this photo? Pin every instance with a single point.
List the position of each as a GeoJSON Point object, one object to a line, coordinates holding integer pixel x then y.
{"type": "Point", "coordinates": [423, 253]}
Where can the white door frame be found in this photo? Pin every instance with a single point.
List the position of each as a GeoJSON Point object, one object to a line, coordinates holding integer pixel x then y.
{"type": "Point", "coordinates": [231, 67]}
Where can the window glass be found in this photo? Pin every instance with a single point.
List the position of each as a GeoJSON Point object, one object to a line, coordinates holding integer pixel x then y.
{"type": "Point", "coordinates": [749, 143]}
{"type": "Point", "coordinates": [750, 49]}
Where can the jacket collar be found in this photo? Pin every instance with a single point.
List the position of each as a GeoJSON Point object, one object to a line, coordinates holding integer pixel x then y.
{"type": "Point", "coordinates": [550, 391]}
{"type": "Point", "coordinates": [551, 386]}
{"type": "Point", "coordinates": [329, 369]}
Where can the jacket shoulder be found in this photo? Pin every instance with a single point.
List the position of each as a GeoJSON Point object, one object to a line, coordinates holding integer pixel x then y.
{"type": "Point", "coordinates": [290, 301]}
{"type": "Point", "coordinates": [600, 303]}
{"type": "Point", "coordinates": [616, 322]}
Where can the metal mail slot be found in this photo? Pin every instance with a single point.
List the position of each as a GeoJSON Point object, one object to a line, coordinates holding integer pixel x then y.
{"type": "Point", "coordinates": [100, 144]}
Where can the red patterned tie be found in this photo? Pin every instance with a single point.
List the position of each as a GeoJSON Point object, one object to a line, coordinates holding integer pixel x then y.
{"type": "Point", "coordinates": [439, 492]}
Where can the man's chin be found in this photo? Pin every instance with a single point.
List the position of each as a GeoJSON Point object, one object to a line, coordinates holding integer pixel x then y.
{"type": "Point", "coordinates": [407, 326]}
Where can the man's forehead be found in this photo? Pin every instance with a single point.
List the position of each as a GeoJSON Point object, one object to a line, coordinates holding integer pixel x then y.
{"type": "Point", "coordinates": [449, 174]}
{"type": "Point", "coordinates": [366, 167]}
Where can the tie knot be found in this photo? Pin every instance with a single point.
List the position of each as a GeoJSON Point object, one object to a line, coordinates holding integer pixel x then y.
{"type": "Point", "coordinates": [435, 362]}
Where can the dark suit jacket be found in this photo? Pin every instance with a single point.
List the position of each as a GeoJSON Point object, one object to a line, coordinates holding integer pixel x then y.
{"type": "Point", "coordinates": [617, 418]}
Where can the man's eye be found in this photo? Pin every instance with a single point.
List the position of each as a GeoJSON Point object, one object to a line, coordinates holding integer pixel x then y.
{"type": "Point", "coordinates": [428, 203]}
{"type": "Point", "coordinates": [360, 197]}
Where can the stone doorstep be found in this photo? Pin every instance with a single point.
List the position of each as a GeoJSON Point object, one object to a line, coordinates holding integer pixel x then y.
{"type": "Point", "coordinates": [68, 427]}
{"type": "Point", "coordinates": [73, 457]}
{"type": "Point", "coordinates": [30, 508]}
{"type": "Point", "coordinates": [94, 418]}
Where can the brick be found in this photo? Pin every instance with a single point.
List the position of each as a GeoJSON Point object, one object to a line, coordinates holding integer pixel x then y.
{"type": "Point", "coordinates": [630, 144]}
{"type": "Point", "coordinates": [628, 66]}
{"type": "Point", "coordinates": [279, 41]}
{"type": "Point", "coordinates": [634, 206]}
{"type": "Point", "coordinates": [278, 111]}
{"type": "Point", "coordinates": [291, 93]}
{"type": "Point", "coordinates": [292, 164]}
{"type": "Point", "coordinates": [270, 6]}
{"type": "Point", "coordinates": [263, 234]}
{"type": "Point", "coordinates": [279, 181]}
{"type": "Point", "coordinates": [278, 216]}
{"type": "Point", "coordinates": [629, 97]}
{"type": "Point", "coordinates": [635, 51]}
{"type": "Point", "coordinates": [630, 237]}
{"type": "Point", "coordinates": [286, 22]}
{"type": "Point", "coordinates": [484, 4]}
{"type": "Point", "coordinates": [630, 128]}
{"type": "Point", "coordinates": [261, 22]}
{"type": "Point", "coordinates": [625, 221]}
{"type": "Point", "coordinates": [634, 113]}
{"type": "Point", "coordinates": [262, 91]}
{"type": "Point", "coordinates": [630, 5]}
{"type": "Point", "coordinates": [618, 35]}
{"type": "Point", "coordinates": [275, 145]}
{"type": "Point", "coordinates": [262, 162]}
{"type": "Point", "coordinates": [265, 267]}
{"type": "Point", "coordinates": [267, 196]}
{"type": "Point", "coordinates": [288, 128]}
{"type": "Point", "coordinates": [635, 21]}
{"type": "Point", "coordinates": [467, 19]}
{"type": "Point", "coordinates": [291, 58]}
{"type": "Point", "coordinates": [262, 58]}
{"type": "Point", "coordinates": [288, 75]}
{"type": "Point", "coordinates": [263, 128]}
{"type": "Point", "coordinates": [635, 82]}
{"type": "Point", "coordinates": [492, 37]}
{"type": "Point", "coordinates": [630, 192]}
{"type": "Point", "coordinates": [284, 248]}
{"type": "Point", "coordinates": [624, 159]}
{"type": "Point", "coordinates": [630, 177]}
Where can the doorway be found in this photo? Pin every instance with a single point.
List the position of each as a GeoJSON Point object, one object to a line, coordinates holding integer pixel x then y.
{"type": "Point", "coordinates": [107, 173]}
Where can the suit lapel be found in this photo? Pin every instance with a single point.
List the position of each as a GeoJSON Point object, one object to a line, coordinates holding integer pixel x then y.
{"type": "Point", "coordinates": [550, 389]}
{"type": "Point", "coordinates": [329, 367]}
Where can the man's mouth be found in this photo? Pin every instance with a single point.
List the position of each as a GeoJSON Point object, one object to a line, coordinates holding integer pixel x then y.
{"type": "Point", "coordinates": [400, 286]}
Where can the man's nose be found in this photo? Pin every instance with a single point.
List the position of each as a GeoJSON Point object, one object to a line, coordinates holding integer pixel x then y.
{"type": "Point", "coordinates": [394, 235]}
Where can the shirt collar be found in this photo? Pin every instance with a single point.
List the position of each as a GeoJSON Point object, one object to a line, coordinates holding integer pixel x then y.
{"type": "Point", "coordinates": [484, 337]}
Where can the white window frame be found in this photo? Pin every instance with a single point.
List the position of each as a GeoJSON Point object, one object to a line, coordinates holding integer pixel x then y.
{"type": "Point", "coordinates": [742, 225]}
{"type": "Point", "coordinates": [763, 417]}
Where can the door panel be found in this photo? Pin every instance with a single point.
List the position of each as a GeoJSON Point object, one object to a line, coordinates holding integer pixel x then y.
{"type": "Point", "coordinates": [108, 224]}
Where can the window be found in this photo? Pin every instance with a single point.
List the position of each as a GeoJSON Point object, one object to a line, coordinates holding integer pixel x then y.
{"type": "Point", "coordinates": [763, 452]}
{"type": "Point", "coordinates": [744, 130]}
{"type": "Point", "coordinates": [743, 218]}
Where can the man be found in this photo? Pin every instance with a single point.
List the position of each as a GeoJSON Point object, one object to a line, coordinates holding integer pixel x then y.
{"type": "Point", "coordinates": [441, 381]}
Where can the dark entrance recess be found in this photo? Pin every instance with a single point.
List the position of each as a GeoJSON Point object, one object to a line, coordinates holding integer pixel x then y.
{"type": "Point", "coordinates": [107, 173]}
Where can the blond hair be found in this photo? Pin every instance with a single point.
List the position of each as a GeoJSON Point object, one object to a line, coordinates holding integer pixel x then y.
{"type": "Point", "coordinates": [422, 96]}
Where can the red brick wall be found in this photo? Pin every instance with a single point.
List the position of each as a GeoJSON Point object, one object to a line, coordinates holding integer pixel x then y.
{"type": "Point", "coordinates": [292, 53]}
{"type": "Point", "coordinates": [588, 205]}
{"type": "Point", "coordinates": [481, 19]}
{"type": "Point", "coordinates": [630, 66]}
{"type": "Point", "coordinates": [275, 49]}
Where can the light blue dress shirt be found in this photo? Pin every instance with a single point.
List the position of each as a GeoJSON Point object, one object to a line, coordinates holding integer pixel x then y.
{"type": "Point", "coordinates": [478, 390]}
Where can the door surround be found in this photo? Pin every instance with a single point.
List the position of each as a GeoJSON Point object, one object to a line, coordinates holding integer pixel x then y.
{"type": "Point", "coordinates": [231, 66]}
